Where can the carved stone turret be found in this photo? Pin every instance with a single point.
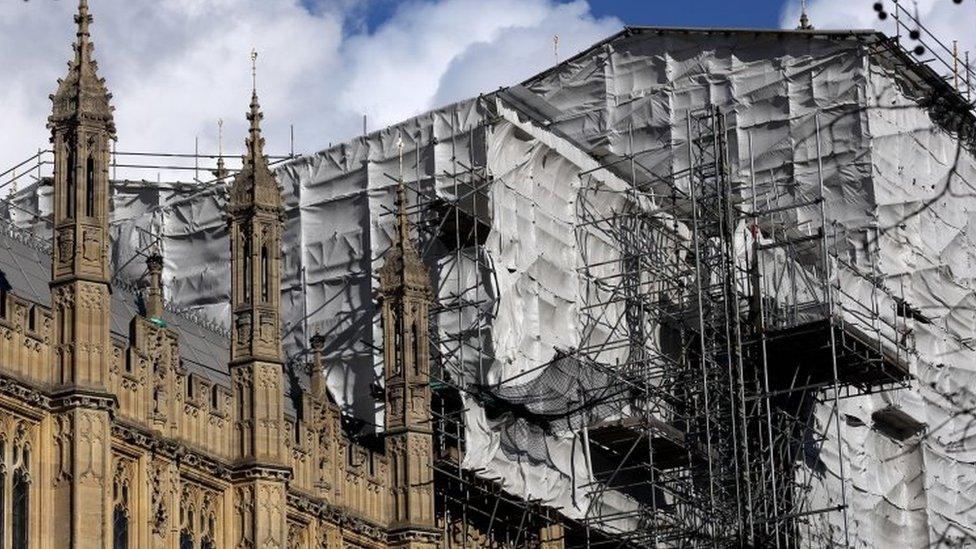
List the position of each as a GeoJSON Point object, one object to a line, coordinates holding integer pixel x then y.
{"type": "Point", "coordinates": [316, 372]}
{"type": "Point", "coordinates": [405, 297]}
{"type": "Point", "coordinates": [255, 221]}
{"type": "Point", "coordinates": [255, 213]}
{"type": "Point", "coordinates": [154, 293]}
{"type": "Point", "coordinates": [82, 128]}
{"type": "Point", "coordinates": [221, 173]}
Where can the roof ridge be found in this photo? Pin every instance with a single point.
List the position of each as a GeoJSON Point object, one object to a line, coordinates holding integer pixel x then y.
{"type": "Point", "coordinates": [24, 236]}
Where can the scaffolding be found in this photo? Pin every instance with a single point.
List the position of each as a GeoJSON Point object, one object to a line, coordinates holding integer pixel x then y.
{"type": "Point", "coordinates": [706, 419]}
{"type": "Point", "coordinates": [693, 429]}
{"type": "Point", "coordinates": [720, 426]}
{"type": "Point", "coordinates": [707, 427]}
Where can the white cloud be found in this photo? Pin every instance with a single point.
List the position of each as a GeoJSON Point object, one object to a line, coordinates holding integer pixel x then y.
{"type": "Point", "coordinates": [176, 66]}
{"type": "Point", "coordinates": [947, 20]}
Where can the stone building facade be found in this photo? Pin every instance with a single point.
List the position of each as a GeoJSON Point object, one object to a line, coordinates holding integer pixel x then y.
{"type": "Point", "coordinates": [110, 439]}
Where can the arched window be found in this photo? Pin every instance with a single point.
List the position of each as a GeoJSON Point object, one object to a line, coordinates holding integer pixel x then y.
{"type": "Point", "coordinates": [69, 207]}
{"type": "Point", "coordinates": [246, 247]}
{"type": "Point", "coordinates": [90, 186]}
{"type": "Point", "coordinates": [186, 532]}
{"type": "Point", "coordinates": [120, 527]}
{"type": "Point", "coordinates": [395, 470]}
{"type": "Point", "coordinates": [20, 509]}
{"type": "Point", "coordinates": [242, 434]}
{"type": "Point", "coordinates": [265, 275]}
{"type": "Point", "coordinates": [416, 348]}
{"type": "Point", "coordinates": [398, 349]}
{"type": "Point", "coordinates": [207, 541]}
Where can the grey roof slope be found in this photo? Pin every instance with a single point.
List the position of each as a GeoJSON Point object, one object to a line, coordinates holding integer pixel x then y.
{"type": "Point", "coordinates": [25, 269]}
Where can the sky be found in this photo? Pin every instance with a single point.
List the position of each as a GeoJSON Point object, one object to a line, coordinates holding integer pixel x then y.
{"type": "Point", "coordinates": [176, 67]}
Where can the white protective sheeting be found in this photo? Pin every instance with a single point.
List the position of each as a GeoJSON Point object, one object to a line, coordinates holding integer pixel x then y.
{"type": "Point", "coordinates": [882, 159]}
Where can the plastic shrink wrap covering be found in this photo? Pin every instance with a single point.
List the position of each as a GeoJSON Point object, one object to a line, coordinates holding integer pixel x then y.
{"type": "Point", "coordinates": [885, 165]}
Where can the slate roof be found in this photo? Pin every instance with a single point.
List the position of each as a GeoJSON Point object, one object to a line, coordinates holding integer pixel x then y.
{"type": "Point", "coordinates": [25, 270]}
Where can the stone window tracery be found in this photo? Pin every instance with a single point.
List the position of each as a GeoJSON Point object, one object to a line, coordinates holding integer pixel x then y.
{"type": "Point", "coordinates": [121, 510]}
{"type": "Point", "coordinates": [20, 492]}
{"type": "Point", "coordinates": [198, 518]}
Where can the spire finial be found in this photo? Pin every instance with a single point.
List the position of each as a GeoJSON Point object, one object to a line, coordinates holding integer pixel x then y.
{"type": "Point", "coordinates": [83, 19]}
{"type": "Point", "coordinates": [83, 45]}
{"type": "Point", "coordinates": [255, 116]}
{"type": "Point", "coordinates": [255, 142]}
{"type": "Point", "coordinates": [402, 221]}
{"type": "Point", "coordinates": [221, 172]}
{"type": "Point", "coordinates": [82, 78]}
{"type": "Point", "coordinates": [804, 19]}
{"type": "Point", "coordinates": [254, 70]}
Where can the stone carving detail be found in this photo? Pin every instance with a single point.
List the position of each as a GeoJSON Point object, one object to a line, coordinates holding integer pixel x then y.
{"type": "Point", "coordinates": [268, 378]}
{"type": "Point", "coordinates": [159, 510]}
{"type": "Point", "coordinates": [17, 435]}
{"type": "Point", "coordinates": [296, 535]}
{"type": "Point", "coordinates": [271, 501]}
{"type": "Point", "coordinates": [90, 439]}
{"type": "Point", "coordinates": [244, 509]}
{"type": "Point", "coordinates": [244, 329]}
{"type": "Point", "coordinates": [267, 329]}
{"type": "Point", "coordinates": [198, 513]}
{"type": "Point", "coordinates": [329, 537]}
{"type": "Point", "coordinates": [62, 448]}
{"type": "Point", "coordinates": [66, 245]}
{"type": "Point", "coordinates": [92, 246]}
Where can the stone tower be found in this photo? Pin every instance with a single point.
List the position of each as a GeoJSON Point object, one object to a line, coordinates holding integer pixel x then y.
{"type": "Point", "coordinates": [81, 127]}
{"type": "Point", "coordinates": [404, 299]}
{"type": "Point", "coordinates": [255, 220]}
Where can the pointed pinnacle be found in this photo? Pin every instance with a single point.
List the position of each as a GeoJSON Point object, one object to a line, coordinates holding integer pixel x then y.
{"type": "Point", "coordinates": [83, 19]}
{"type": "Point", "coordinates": [804, 19]}
{"type": "Point", "coordinates": [255, 116]}
{"type": "Point", "coordinates": [403, 222]}
{"type": "Point", "coordinates": [255, 143]}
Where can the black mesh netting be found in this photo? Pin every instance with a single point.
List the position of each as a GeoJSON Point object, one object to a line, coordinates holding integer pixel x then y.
{"type": "Point", "coordinates": [568, 392]}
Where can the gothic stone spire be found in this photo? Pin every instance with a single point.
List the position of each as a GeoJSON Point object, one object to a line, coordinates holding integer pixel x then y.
{"type": "Point", "coordinates": [255, 217]}
{"type": "Point", "coordinates": [82, 96]}
{"type": "Point", "coordinates": [255, 222]}
{"type": "Point", "coordinates": [402, 268]}
{"type": "Point", "coordinates": [81, 130]}
{"type": "Point", "coordinates": [255, 186]}
{"type": "Point", "coordinates": [405, 297]}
